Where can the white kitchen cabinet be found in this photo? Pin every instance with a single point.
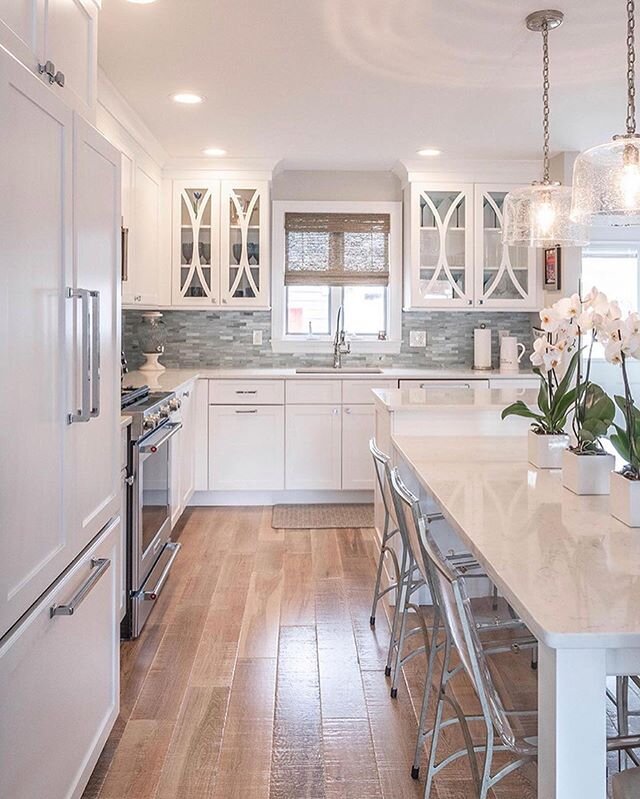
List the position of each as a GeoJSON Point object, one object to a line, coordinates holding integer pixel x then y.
{"type": "Point", "coordinates": [64, 32]}
{"type": "Point", "coordinates": [358, 422]}
{"type": "Point", "coordinates": [59, 680]}
{"type": "Point", "coordinates": [96, 247]}
{"type": "Point", "coordinates": [201, 435]}
{"type": "Point", "coordinates": [71, 42]}
{"type": "Point", "coordinates": [506, 278]}
{"type": "Point", "coordinates": [244, 244]}
{"type": "Point", "coordinates": [313, 447]}
{"type": "Point", "coordinates": [439, 245]}
{"type": "Point", "coordinates": [37, 543]}
{"type": "Point", "coordinates": [220, 244]}
{"type": "Point", "coordinates": [196, 243]}
{"type": "Point", "coordinates": [246, 447]}
{"type": "Point", "coordinates": [182, 455]}
{"type": "Point", "coordinates": [143, 284]}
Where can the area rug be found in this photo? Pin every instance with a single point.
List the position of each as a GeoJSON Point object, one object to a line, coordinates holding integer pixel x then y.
{"type": "Point", "coordinates": [319, 517]}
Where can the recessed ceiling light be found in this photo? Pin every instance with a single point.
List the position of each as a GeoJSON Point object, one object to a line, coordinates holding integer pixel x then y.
{"type": "Point", "coordinates": [429, 152]}
{"type": "Point", "coordinates": [187, 98]}
{"type": "Point", "coordinates": [214, 152]}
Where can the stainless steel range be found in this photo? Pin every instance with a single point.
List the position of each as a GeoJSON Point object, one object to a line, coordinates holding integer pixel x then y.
{"type": "Point", "coordinates": [155, 419]}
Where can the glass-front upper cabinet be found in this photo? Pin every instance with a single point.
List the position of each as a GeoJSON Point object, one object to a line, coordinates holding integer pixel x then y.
{"type": "Point", "coordinates": [440, 243]}
{"type": "Point", "coordinates": [244, 276]}
{"type": "Point", "coordinates": [506, 277]}
{"type": "Point", "coordinates": [196, 246]}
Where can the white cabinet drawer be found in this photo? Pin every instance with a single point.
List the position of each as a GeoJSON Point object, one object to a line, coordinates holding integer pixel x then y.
{"type": "Point", "coordinates": [59, 681]}
{"type": "Point", "coordinates": [314, 392]}
{"type": "Point", "coordinates": [515, 382]}
{"type": "Point", "coordinates": [246, 448]}
{"type": "Point", "coordinates": [426, 383]}
{"type": "Point", "coordinates": [358, 392]}
{"type": "Point", "coordinates": [246, 392]}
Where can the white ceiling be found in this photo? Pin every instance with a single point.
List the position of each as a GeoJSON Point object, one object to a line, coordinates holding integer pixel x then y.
{"type": "Point", "coordinates": [364, 83]}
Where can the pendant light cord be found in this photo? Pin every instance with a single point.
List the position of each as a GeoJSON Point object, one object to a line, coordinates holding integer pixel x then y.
{"type": "Point", "coordinates": [545, 99]}
{"type": "Point", "coordinates": [631, 68]}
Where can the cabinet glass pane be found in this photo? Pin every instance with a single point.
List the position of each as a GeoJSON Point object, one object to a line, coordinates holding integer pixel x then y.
{"type": "Point", "coordinates": [244, 274]}
{"type": "Point", "coordinates": [195, 242]}
{"type": "Point", "coordinates": [442, 245]}
{"type": "Point", "coordinates": [505, 273]}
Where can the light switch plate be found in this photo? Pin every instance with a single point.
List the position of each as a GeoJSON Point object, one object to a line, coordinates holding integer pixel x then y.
{"type": "Point", "coordinates": [417, 338]}
{"type": "Point", "coordinates": [257, 336]}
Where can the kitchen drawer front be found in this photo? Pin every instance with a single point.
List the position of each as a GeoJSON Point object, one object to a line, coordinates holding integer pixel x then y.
{"type": "Point", "coordinates": [515, 382]}
{"type": "Point", "coordinates": [246, 392]}
{"type": "Point", "coordinates": [246, 448]}
{"type": "Point", "coordinates": [314, 392]}
{"type": "Point", "coordinates": [59, 681]}
{"type": "Point", "coordinates": [358, 392]}
{"type": "Point", "coordinates": [471, 383]}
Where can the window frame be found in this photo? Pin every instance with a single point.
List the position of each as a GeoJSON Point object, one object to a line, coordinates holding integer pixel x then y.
{"type": "Point", "coordinates": [300, 343]}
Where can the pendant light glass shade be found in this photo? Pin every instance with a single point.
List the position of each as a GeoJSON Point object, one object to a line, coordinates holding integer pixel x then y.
{"type": "Point", "coordinates": [540, 215]}
{"type": "Point", "coordinates": [606, 184]}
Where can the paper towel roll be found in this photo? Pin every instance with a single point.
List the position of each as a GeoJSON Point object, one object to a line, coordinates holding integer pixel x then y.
{"type": "Point", "coordinates": [482, 348]}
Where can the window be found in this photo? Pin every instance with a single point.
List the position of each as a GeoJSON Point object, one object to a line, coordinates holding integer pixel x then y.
{"type": "Point", "coordinates": [327, 255]}
{"type": "Point", "coordinates": [615, 270]}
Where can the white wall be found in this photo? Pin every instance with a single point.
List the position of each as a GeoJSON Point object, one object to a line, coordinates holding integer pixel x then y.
{"type": "Point", "coordinates": [376, 186]}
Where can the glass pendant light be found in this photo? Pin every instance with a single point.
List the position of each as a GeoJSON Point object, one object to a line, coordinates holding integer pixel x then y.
{"type": "Point", "coordinates": [539, 215]}
{"type": "Point", "coordinates": [606, 179]}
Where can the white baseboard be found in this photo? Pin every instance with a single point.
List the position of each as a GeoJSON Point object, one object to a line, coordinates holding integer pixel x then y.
{"type": "Point", "coordinates": [240, 498]}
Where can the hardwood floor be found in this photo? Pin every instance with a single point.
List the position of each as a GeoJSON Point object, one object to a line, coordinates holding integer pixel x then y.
{"type": "Point", "coordinates": [258, 677]}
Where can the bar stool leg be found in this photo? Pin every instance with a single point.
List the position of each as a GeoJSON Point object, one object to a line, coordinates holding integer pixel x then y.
{"type": "Point", "coordinates": [400, 592]}
{"type": "Point", "coordinates": [403, 627]}
{"type": "Point", "coordinates": [432, 648]}
{"type": "Point", "coordinates": [376, 590]}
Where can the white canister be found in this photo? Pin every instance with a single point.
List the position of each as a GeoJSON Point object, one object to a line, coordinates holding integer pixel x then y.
{"type": "Point", "coordinates": [510, 354]}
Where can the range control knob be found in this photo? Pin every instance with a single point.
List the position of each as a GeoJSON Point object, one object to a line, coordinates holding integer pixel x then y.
{"type": "Point", "coordinates": [151, 421]}
{"type": "Point", "coordinates": [174, 403]}
{"type": "Point", "coordinates": [165, 410]}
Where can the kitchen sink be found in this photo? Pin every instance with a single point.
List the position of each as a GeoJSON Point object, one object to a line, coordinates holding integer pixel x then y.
{"type": "Point", "coordinates": [329, 370]}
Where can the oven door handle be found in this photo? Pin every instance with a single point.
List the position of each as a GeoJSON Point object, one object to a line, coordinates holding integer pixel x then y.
{"type": "Point", "coordinates": [154, 593]}
{"type": "Point", "coordinates": [151, 444]}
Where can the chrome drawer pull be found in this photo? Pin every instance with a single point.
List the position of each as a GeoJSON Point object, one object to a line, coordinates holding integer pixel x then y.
{"type": "Point", "coordinates": [252, 410]}
{"type": "Point", "coordinates": [255, 391]}
{"type": "Point", "coordinates": [155, 591]}
{"type": "Point", "coordinates": [98, 567]}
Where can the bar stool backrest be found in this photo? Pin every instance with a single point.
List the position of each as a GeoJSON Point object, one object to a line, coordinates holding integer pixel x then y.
{"type": "Point", "coordinates": [381, 463]}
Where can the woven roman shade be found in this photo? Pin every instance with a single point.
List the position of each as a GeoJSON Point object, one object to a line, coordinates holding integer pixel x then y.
{"type": "Point", "coordinates": [328, 249]}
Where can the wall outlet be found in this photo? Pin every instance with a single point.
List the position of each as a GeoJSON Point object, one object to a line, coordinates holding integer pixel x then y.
{"type": "Point", "coordinates": [417, 338]}
{"type": "Point", "coordinates": [257, 336]}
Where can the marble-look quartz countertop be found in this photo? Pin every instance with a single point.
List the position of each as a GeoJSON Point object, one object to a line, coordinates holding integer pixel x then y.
{"type": "Point", "coordinates": [172, 379]}
{"type": "Point", "coordinates": [566, 565]}
{"type": "Point", "coordinates": [419, 399]}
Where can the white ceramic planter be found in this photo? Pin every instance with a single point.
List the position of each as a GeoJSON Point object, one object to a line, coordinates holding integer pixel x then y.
{"type": "Point", "coordinates": [545, 452]}
{"type": "Point", "coordinates": [587, 474]}
{"type": "Point", "coordinates": [625, 500]}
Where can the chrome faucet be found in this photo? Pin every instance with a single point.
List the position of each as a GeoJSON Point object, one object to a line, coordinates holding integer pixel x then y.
{"type": "Point", "coordinates": [340, 345]}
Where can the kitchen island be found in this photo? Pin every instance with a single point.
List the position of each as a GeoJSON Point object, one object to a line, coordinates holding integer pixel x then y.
{"type": "Point", "coordinates": [568, 568]}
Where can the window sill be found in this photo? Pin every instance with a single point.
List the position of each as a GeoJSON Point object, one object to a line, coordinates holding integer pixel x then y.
{"type": "Point", "coordinates": [305, 345]}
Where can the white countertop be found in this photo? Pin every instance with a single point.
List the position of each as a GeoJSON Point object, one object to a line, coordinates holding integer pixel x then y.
{"type": "Point", "coordinates": [171, 379]}
{"type": "Point", "coordinates": [419, 399]}
{"type": "Point", "coordinates": [125, 421]}
{"type": "Point", "coordinates": [566, 565]}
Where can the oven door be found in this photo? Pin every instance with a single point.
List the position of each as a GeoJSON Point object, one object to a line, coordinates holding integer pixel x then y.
{"type": "Point", "coordinates": [151, 512]}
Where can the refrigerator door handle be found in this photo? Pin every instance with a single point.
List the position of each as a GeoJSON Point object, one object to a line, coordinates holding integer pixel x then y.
{"type": "Point", "coordinates": [82, 414]}
{"type": "Point", "coordinates": [98, 567]}
{"type": "Point", "coordinates": [95, 354]}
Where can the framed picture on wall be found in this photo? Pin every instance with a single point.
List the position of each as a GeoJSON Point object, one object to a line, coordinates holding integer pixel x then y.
{"type": "Point", "coordinates": [552, 268]}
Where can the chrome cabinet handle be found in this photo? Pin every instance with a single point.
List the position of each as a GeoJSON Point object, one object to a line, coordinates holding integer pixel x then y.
{"type": "Point", "coordinates": [125, 254]}
{"type": "Point", "coordinates": [95, 355]}
{"type": "Point", "coordinates": [255, 391]}
{"type": "Point", "coordinates": [154, 593]}
{"type": "Point", "coordinates": [186, 394]}
{"type": "Point", "coordinates": [98, 568]}
{"type": "Point", "coordinates": [250, 410]}
{"type": "Point", "coordinates": [347, 410]}
{"type": "Point", "coordinates": [82, 414]}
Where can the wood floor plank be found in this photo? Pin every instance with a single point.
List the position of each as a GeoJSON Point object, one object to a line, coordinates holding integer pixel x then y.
{"type": "Point", "coordinates": [341, 690]}
{"type": "Point", "coordinates": [217, 652]}
{"type": "Point", "coordinates": [298, 595]}
{"type": "Point", "coordinates": [325, 555]}
{"type": "Point", "coordinates": [190, 765]}
{"type": "Point", "coordinates": [261, 621]}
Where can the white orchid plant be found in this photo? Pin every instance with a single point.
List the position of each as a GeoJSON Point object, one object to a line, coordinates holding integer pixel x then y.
{"type": "Point", "coordinates": [621, 338]}
{"type": "Point", "coordinates": [555, 358]}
